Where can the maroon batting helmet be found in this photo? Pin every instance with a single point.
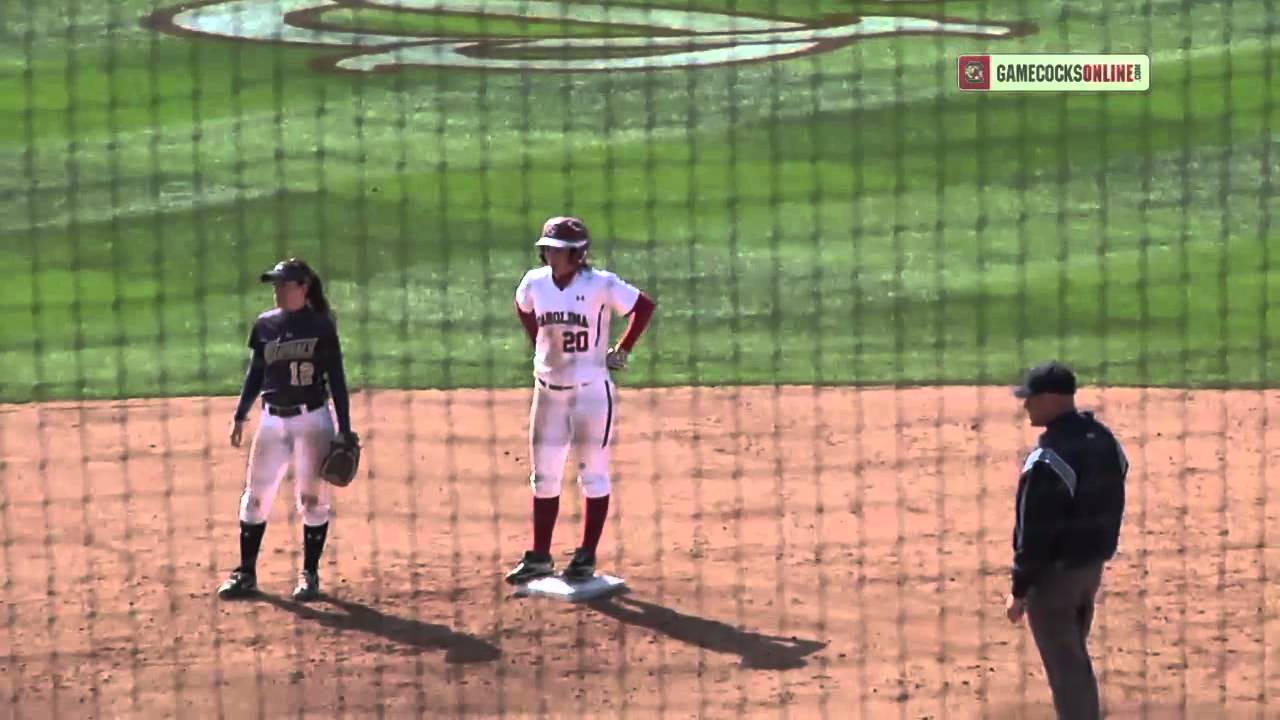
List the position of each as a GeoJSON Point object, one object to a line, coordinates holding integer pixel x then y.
{"type": "Point", "coordinates": [565, 232]}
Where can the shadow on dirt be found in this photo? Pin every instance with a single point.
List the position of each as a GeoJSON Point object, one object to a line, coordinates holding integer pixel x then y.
{"type": "Point", "coordinates": [758, 651]}
{"type": "Point", "coordinates": [411, 635]}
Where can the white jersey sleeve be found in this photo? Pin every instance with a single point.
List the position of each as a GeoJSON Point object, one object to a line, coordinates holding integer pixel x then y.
{"type": "Point", "coordinates": [524, 294]}
{"type": "Point", "coordinates": [622, 295]}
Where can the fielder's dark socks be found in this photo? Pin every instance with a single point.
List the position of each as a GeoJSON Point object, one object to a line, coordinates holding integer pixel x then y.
{"type": "Point", "coordinates": [312, 545]}
{"type": "Point", "coordinates": [593, 525]}
{"type": "Point", "coordinates": [250, 542]}
{"type": "Point", "coordinates": [545, 511]}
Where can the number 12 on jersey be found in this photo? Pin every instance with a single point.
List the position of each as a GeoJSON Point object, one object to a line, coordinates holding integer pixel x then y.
{"type": "Point", "coordinates": [575, 341]}
{"type": "Point", "coordinates": [301, 372]}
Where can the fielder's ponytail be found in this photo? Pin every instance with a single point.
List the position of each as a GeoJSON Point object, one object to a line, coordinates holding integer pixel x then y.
{"type": "Point", "coordinates": [315, 296]}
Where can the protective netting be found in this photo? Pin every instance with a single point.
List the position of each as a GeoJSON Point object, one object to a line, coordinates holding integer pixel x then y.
{"type": "Point", "coordinates": [814, 451]}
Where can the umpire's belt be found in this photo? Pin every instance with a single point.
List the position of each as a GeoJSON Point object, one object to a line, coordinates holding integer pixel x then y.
{"type": "Point", "coordinates": [549, 386]}
{"type": "Point", "coordinates": [286, 411]}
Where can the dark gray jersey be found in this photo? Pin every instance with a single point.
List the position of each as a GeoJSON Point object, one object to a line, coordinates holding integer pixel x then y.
{"type": "Point", "coordinates": [298, 351]}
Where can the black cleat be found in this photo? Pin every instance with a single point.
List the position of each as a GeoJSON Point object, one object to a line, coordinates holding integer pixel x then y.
{"type": "Point", "coordinates": [240, 585]}
{"type": "Point", "coordinates": [582, 566]}
{"type": "Point", "coordinates": [308, 586]}
{"type": "Point", "coordinates": [531, 567]}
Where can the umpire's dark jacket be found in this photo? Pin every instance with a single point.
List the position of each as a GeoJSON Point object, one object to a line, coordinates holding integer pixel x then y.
{"type": "Point", "coordinates": [1070, 499]}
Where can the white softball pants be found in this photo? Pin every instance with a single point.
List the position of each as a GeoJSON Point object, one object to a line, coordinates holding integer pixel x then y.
{"type": "Point", "coordinates": [580, 419]}
{"type": "Point", "coordinates": [301, 441]}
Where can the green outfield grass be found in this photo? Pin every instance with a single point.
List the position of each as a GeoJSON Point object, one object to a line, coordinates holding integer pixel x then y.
{"type": "Point", "coordinates": [388, 21]}
{"type": "Point", "coordinates": [846, 217]}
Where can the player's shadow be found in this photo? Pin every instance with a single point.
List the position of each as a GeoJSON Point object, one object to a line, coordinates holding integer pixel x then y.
{"type": "Point", "coordinates": [758, 651]}
{"type": "Point", "coordinates": [415, 636]}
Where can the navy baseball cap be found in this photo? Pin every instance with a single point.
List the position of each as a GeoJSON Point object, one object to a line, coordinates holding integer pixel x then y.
{"type": "Point", "coordinates": [1050, 377]}
{"type": "Point", "coordinates": [291, 269]}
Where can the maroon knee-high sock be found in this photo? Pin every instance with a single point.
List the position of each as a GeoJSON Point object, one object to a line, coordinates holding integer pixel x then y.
{"type": "Point", "coordinates": [545, 511]}
{"type": "Point", "coordinates": [593, 522]}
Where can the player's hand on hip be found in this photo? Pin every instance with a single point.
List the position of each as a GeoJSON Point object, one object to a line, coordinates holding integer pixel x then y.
{"type": "Point", "coordinates": [616, 359]}
{"type": "Point", "coordinates": [237, 432]}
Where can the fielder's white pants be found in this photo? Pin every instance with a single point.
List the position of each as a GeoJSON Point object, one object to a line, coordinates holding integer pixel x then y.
{"type": "Point", "coordinates": [582, 420]}
{"type": "Point", "coordinates": [301, 441]}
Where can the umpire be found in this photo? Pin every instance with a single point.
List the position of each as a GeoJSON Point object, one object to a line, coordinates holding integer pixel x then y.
{"type": "Point", "coordinates": [1070, 505]}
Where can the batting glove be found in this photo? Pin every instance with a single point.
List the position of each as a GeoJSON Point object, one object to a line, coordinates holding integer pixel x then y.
{"type": "Point", "coordinates": [616, 359]}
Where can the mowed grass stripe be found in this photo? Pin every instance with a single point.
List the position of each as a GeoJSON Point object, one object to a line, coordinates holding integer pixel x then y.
{"type": "Point", "coordinates": [843, 218]}
{"type": "Point", "coordinates": [922, 143]}
{"type": "Point", "coordinates": [1158, 298]}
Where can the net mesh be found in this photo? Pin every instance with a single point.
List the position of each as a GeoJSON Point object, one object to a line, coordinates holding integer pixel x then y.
{"type": "Point", "coordinates": [813, 449]}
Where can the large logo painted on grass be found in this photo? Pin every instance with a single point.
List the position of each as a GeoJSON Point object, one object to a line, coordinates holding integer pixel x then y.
{"type": "Point", "coordinates": [378, 35]}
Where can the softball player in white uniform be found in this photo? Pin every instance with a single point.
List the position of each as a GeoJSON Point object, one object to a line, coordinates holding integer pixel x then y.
{"type": "Point", "coordinates": [566, 307]}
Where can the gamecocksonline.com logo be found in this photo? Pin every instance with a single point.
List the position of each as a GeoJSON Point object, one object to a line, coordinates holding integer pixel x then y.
{"type": "Point", "coordinates": [664, 38]}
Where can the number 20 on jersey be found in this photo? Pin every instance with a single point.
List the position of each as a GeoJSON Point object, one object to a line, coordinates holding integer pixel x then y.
{"type": "Point", "coordinates": [575, 341]}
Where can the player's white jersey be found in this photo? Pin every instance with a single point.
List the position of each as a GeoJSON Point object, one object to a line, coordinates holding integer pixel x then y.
{"type": "Point", "coordinates": [573, 323]}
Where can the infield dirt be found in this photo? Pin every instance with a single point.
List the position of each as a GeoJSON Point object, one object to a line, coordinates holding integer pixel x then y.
{"type": "Point", "coordinates": [791, 551]}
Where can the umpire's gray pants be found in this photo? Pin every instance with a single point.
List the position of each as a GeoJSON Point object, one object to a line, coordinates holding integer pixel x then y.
{"type": "Point", "coordinates": [1060, 612]}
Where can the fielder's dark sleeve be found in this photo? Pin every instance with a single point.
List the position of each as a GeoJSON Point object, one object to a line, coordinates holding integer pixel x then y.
{"type": "Point", "coordinates": [338, 385]}
{"type": "Point", "coordinates": [253, 376]}
{"type": "Point", "coordinates": [1044, 498]}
